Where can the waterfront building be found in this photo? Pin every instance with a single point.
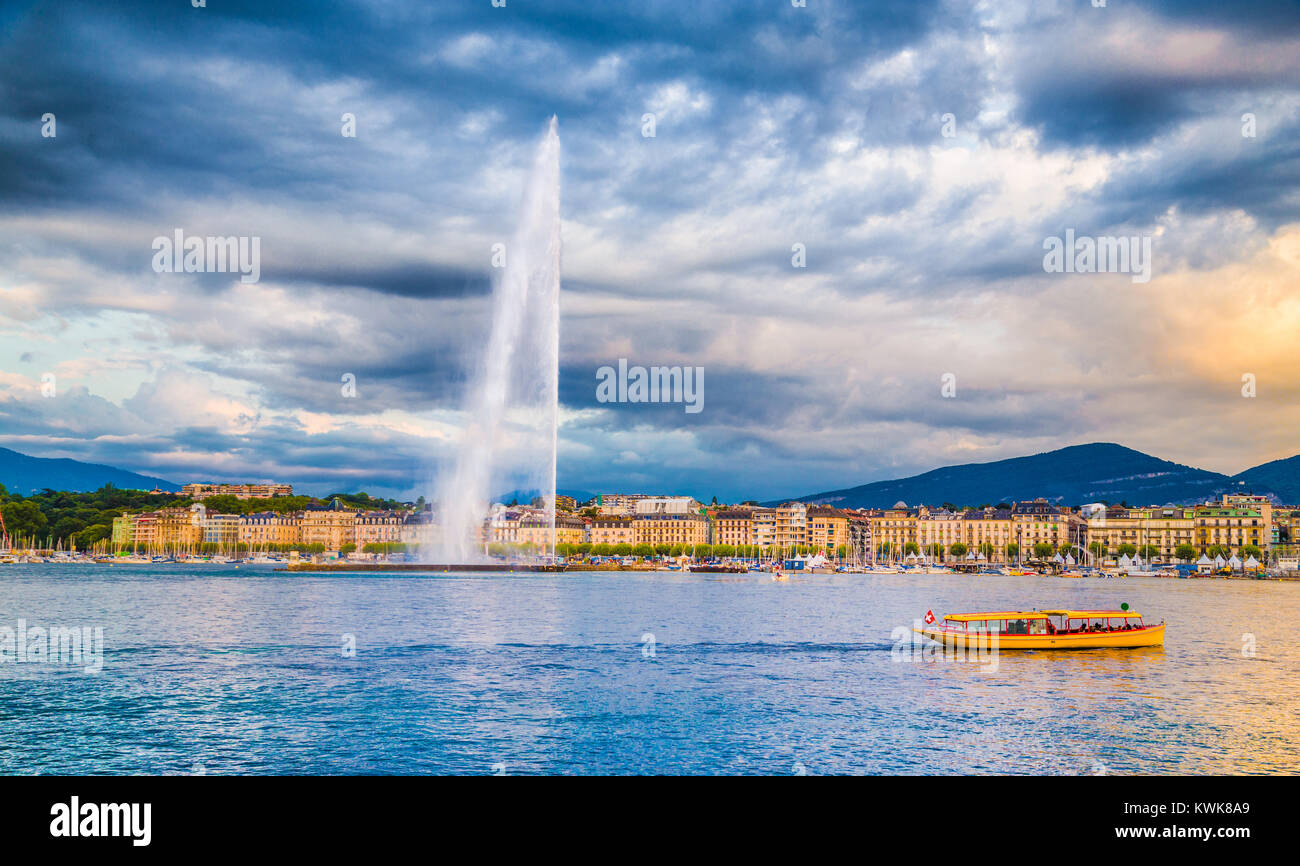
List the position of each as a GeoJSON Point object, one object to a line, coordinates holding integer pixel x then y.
{"type": "Point", "coordinates": [938, 530]}
{"type": "Point", "coordinates": [419, 528]}
{"type": "Point", "coordinates": [734, 526]}
{"type": "Point", "coordinates": [1284, 534]}
{"type": "Point", "coordinates": [220, 529]}
{"type": "Point", "coordinates": [665, 505]}
{"type": "Point", "coordinates": [1164, 528]}
{"type": "Point", "coordinates": [612, 529]}
{"type": "Point", "coordinates": [535, 530]}
{"type": "Point", "coordinates": [1230, 526]}
{"type": "Point", "coordinates": [503, 525]}
{"type": "Point", "coordinates": [145, 535]}
{"type": "Point", "coordinates": [988, 531]}
{"type": "Point", "coordinates": [1039, 522]}
{"type": "Point", "coordinates": [687, 529]}
{"type": "Point", "coordinates": [895, 527]}
{"type": "Point", "coordinates": [1262, 504]}
{"type": "Point", "coordinates": [332, 525]}
{"type": "Point", "coordinates": [763, 526]}
{"type": "Point", "coordinates": [123, 534]}
{"type": "Point", "coordinates": [828, 528]}
{"type": "Point", "coordinates": [179, 529]}
{"type": "Point", "coordinates": [261, 529]}
{"type": "Point", "coordinates": [378, 527]}
{"type": "Point", "coordinates": [239, 491]}
{"type": "Point", "coordinates": [791, 529]}
{"type": "Point", "coordinates": [860, 541]}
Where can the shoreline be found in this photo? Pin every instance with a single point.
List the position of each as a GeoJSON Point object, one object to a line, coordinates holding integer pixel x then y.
{"type": "Point", "coordinates": [523, 568]}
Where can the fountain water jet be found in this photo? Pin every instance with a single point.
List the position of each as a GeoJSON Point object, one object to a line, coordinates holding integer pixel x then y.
{"type": "Point", "coordinates": [514, 402]}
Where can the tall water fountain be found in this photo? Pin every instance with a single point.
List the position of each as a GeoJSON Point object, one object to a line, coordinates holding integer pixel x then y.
{"type": "Point", "coordinates": [512, 430]}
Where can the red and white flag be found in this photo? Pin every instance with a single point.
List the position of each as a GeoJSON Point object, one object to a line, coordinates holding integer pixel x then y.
{"type": "Point", "coordinates": [929, 617]}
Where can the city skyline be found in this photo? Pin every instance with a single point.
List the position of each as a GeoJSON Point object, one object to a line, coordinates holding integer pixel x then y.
{"type": "Point", "coordinates": [825, 127]}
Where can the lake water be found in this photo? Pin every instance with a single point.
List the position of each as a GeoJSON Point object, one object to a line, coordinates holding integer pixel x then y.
{"type": "Point", "coordinates": [221, 670]}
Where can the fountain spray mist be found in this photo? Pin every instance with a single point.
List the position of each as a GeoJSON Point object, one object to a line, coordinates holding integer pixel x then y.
{"type": "Point", "coordinates": [512, 433]}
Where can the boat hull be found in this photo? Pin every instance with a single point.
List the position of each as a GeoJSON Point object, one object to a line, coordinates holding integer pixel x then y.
{"type": "Point", "coordinates": [1153, 635]}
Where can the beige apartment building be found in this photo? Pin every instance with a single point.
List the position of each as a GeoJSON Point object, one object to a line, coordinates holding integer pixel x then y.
{"type": "Point", "coordinates": [332, 525]}
{"type": "Point", "coordinates": [791, 529]}
{"type": "Point", "coordinates": [1232, 526]}
{"type": "Point", "coordinates": [828, 528]}
{"type": "Point", "coordinates": [688, 529]}
{"type": "Point", "coordinates": [220, 529]}
{"type": "Point", "coordinates": [419, 529]}
{"type": "Point", "coordinates": [895, 527]}
{"type": "Point", "coordinates": [763, 527]}
{"type": "Point", "coordinates": [535, 530]}
{"type": "Point", "coordinates": [937, 531]}
{"type": "Point", "coordinates": [378, 527]}
{"type": "Point", "coordinates": [171, 529]}
{"type": "Point", "coordinates": [180, 528]}
{"type": "Point", "coordinates": [734, 527]}
{"type": "Point", "coordinates": [989, 528]}
{"type": "Point", "coordinates": [612, 529]}
{"type": "Point", "coordinates": [1039, 522]}
{"type": "Point", "coordinates": [263, 528]}
{"type": "Point", "coordinates": [1163, 528]}
{"type": "Point", "coordinates": [239, 491]}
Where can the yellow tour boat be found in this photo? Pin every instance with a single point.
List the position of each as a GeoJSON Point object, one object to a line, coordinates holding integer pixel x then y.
{"type": "Point", "coordinates": [1046, 629]}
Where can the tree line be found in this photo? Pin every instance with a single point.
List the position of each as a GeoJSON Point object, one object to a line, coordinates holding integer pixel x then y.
{"type": "Point", "coordinates": [80, 519]}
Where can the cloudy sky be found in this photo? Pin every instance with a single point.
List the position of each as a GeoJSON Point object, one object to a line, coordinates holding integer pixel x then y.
{"type": "Point", "coordinates": [826, 126]}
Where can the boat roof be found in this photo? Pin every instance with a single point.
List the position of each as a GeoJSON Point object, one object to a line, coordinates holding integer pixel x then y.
{"type": "Point", "coordinates": [1040, 614]}
{"type": "Point", "coordinates": [1000, 614]}
{"type": "Point", "coordinates": [1132, 614]}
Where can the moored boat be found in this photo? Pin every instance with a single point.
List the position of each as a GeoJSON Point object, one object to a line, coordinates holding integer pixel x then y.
{"type": "Point", "coordinates": [1047, 630]}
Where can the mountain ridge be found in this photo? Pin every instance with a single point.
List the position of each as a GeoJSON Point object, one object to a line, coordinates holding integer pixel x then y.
{"type": "Point", "coordinates": [21, 474]}
{"type": "Point", "coordinates": [1076, 474]}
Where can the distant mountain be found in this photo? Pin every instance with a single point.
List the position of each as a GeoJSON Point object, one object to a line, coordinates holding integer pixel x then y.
{"type": "Point", "coordinates": [20, 473]}
{"type": "Point", "coordinates": [1070, 476]}
{"type": "Point", "coordinates": [1279, 477]}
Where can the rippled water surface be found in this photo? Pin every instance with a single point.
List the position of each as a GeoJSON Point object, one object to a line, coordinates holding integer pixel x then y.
{"type": "Point", "coordinates": [223, 670]}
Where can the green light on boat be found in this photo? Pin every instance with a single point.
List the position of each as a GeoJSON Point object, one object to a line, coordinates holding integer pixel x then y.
{"type": "Point", "coordinates": [1124, 606]}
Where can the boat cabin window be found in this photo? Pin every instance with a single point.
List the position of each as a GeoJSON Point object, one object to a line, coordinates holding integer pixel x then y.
{"type": "Point", "coordinates": [1094, 624]}
{"type": "Point", "coordinates": [984, 625]}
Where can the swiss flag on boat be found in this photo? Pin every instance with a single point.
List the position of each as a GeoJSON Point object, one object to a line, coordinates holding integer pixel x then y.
{"type": "Point", "coordinates": [929, 617]}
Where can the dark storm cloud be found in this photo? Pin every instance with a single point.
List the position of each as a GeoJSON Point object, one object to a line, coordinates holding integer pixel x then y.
{"type": "Point", "coordinates": [1107, 91]}
{"type": "Point", "coordinates": [408, 280]}
{"type": "Point", "coordinates": [1254, 16]}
